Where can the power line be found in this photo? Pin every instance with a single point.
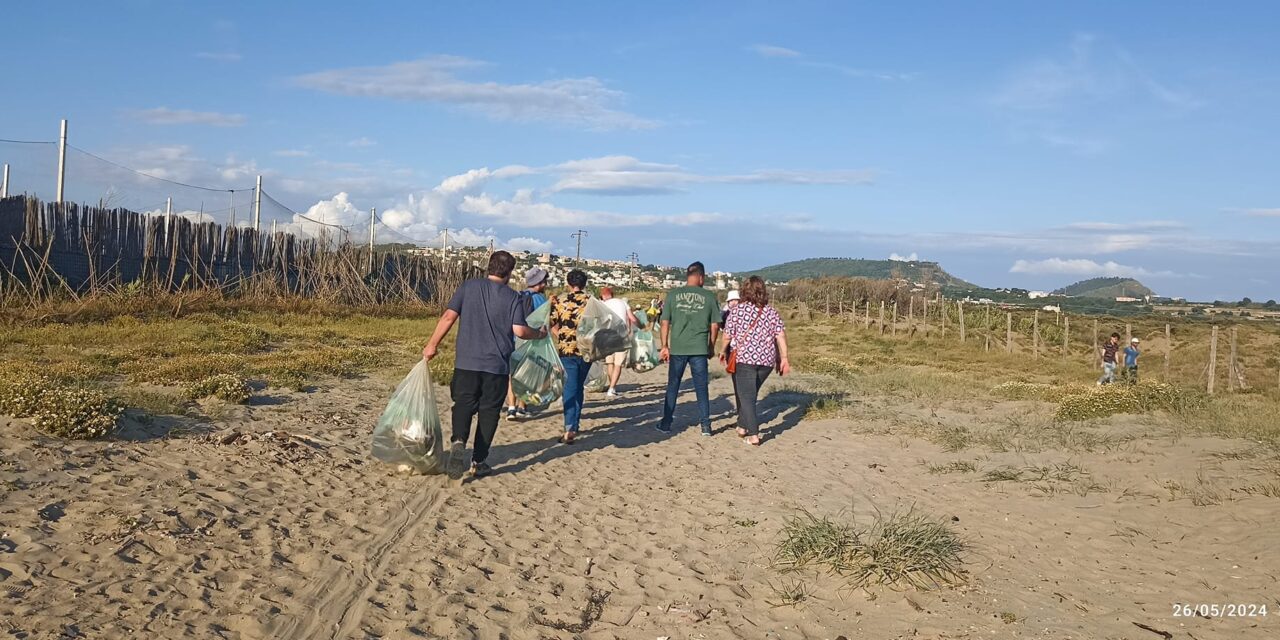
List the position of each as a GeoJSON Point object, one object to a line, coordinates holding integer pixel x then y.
{"type": "Point", "coordinates": [291, 211]}
{"type": "Point", "coordinates": [29, 141]}
{"type": "Point", "coordinates": [147, 175]}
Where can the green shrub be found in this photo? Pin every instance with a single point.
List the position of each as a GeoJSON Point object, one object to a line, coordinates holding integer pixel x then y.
{"type": "Point", "coordinates": [1100, 402]}
{"type": "Point", "coordinates": [832, 367]}
{"type": "Point", "coordinates": [224, 386]}
{"type": "Point", "coordinates": [77, 413]}
{"type": "Point", "coordinates": [58, 409]}
{"type": "Point", "coordinates": [183, 369]}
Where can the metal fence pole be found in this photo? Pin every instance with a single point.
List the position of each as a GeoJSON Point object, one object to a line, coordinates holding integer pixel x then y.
{"type": "Point", "coordinates": [257, 205]}
{"type": "Point", "coordinates": [4, 184]}
{"type": "Point", "coordinates": [62, 160]}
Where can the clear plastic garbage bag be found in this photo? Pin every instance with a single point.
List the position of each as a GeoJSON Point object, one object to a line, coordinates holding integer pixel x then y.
{"type": "Point", "coordinates": [409, 432]}
{"type": "Point", "coordinates": [537, 376]}
{"type": "Point", "coordinates": [601, 333]}
{"type": "Point", "coordinates": [537, 318]}
{"type": "Point", "coordinates": [597, 378]}
{"type": "Point", "coordinates": [644, 351]}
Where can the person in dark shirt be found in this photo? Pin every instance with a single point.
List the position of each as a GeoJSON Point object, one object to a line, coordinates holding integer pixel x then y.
{"type": "Point", "coordinates": [490, 315]}
{"type": "Point", "coordinates": [1109, 359]}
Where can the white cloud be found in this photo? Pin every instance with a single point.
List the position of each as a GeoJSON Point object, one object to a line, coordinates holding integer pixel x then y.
{"type": "Point", "coordinates": [220, 56]}
{"type": "Point", "coordinates": [583, 102]}
{"type": "Point", "coordinates": [524, 243]}
{"type": "Point", "coordinates": [625, 175]}
{"type": "Point", "coordinates": [362, 142]}
{"type": "Point", "coordinates": [1082, 267]}
{"type": "Point", "coordinates": [1263, 213]}
{"type": "Point", "coordinates": [912, 257]}
{"type": "Point", "coordinates": [771, 51]}
{"type": "Point", "coordinates": [291, 153]}
{"type": "Point", "coordinates": [167, 116]}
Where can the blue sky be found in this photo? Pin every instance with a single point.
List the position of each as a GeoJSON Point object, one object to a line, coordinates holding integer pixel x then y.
{"type": "Point", "coordinates": [1019, 144]}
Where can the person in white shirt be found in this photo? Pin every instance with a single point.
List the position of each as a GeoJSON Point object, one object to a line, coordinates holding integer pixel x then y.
{"type": "Point", "coordinates": [617, 361]}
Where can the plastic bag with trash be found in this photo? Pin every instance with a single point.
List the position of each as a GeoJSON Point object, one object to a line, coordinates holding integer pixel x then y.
{"type": "Point", "coordinates": [537, 377]}
{"type": "Point", "coordinates": [538, 317]}
{"type": "Point", "coordinates": [601, 333]}
{"type": "Point", "coordinates": [644, 351]}
{"type": "Point", "coordinates": [597, 378]}
{"type": "Point", "coordinates": [408, 432]}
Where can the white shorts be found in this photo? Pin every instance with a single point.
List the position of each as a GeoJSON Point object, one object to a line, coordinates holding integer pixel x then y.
{"type": "Point", "coordinates": [618, 359]}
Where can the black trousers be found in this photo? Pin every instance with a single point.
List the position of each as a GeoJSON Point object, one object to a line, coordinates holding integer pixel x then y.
{"type": "Point", "coordinates": [747, 380]}
{"type": "Point", "coordinates": [476, 393]}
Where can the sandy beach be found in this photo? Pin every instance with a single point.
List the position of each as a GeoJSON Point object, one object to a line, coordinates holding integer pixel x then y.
{"type": "Point", "coordinates": [271, 521]}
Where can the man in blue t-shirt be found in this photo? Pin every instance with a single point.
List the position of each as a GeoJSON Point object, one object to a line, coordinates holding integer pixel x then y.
{"type": "Point", "coordinates": [1131, 354]}
{"type": "Point", "coordinates": [490, 316]}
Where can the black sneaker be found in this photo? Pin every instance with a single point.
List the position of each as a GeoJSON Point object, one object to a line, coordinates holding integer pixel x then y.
{"type": "Point", "coordinates": [457, 464]}
{"type": "Point", "coordinates": [479, 470]}
{"type": "Point", "coordinates": [663, 428]}
{"type": "Point", "coordinates": [512, 414]}
{"type": "Point", "coordinates": [521, 414]}
{"type": "Point", "coordinates": [706, 431]}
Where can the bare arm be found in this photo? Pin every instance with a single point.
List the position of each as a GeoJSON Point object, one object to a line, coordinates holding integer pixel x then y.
{"type": "Point", "coordinates": [784, 364]}
{"type": "Point", "coordinates": [442, 329]}
{"type": "Point", "coordinates": [527, 333]}
{"type": "Point", "coordinates": [666, 340]}
{"type": "Point", "coordinates": [715, 335]}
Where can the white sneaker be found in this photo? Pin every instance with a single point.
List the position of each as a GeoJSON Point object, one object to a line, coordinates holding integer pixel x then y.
{"type": "Point", "coordinates": [611, 394]}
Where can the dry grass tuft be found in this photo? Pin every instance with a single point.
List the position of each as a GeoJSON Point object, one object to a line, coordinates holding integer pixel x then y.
{"type": "Point", "coordinates": [899, 549]}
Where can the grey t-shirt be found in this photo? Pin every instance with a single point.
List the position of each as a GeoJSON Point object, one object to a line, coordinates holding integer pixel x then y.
{"type": "Point", "coordinates": [488, 309]}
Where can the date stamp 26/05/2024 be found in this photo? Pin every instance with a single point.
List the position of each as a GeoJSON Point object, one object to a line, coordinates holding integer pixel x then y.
{"type": "Point", "coordinates": [1228, 610]}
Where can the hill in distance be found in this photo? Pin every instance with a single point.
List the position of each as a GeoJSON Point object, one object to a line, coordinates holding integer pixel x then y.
{"type": "Point", "coordinates": [1106, 288]}
{"type": "Point", "coordinates": [915, 271]}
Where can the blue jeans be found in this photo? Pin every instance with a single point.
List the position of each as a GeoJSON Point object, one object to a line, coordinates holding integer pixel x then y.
{"type": "Point", "coordinates": [575, 378]}
{"type": "Point", "coordinates": [675, 375]}
{"type": "Point", "coordinates": [1108, 373]}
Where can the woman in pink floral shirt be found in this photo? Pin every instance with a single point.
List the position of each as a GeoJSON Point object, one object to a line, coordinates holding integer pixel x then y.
{"type": "Point", "coordinates": [755, 339]}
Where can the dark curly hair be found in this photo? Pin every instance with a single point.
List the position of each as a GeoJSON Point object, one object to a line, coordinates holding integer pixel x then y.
{"type": "Point", "coordinates": [754, 292]}
{"type": "Point", "coordinates": [577, 279]}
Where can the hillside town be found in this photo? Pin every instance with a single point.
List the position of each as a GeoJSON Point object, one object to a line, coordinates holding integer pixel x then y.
{"type": "Point", "coordinates": [619, 274]}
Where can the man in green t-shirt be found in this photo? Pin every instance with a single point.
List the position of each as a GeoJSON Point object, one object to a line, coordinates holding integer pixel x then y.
{"type": "Point", "coordinates": [690, 326]}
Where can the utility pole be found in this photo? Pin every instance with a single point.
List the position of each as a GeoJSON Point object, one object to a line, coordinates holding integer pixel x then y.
{"type": "Point", "coordinates": [580, 234]}
{"type": "Point", "coordinates": [444, 245]}
{"type": "Point", "coordinates": [233, 207]}
{"type": "Point", "coordinates": [4, 185]}
{"type": "Point", "coordinates": [635, 267]}
{"type": "Point", "coordinates": [257, 205]}
{"type": "Point", "coordinates": [373, 219]}
{"type": "Point", "coordinates": [62, 160]}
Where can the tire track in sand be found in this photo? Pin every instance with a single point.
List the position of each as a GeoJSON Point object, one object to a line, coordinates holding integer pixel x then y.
{"type": "Point", "coordinates": [337, 601]}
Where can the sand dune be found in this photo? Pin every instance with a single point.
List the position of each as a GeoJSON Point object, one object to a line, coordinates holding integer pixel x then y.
{"type": "Point", "coordinates": [229, 532]}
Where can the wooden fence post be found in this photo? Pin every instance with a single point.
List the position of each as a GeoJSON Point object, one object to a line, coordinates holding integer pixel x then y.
{"type": "Point", "coordinates": [1213, 356]}
{"type": "Point", "coordinates": [960, 310]}
{"type": "Point", "coordinates": [894, 320]}
{"type": "Point", "coordinates": [1035, 332]}
{"type": "Point", "coordinates": [1008, 331]}
{"type": "Point", "coordinates": [1066, 335]}
{"type": "Point", "coordinates": [1237, 372]}
{"type": "Point", "coordinates": [986, 328]}
{"type": "Point", "coordinates": [1168, 347]}
{"type": "Point", "coordinates": [1097, 355]}
{"type": "Point", "coordinates": [867, 319]}
{"type": "Point", "coordinates": [926, 317]}
{"type": "Point", "coordinates": [943, 308]}
{"type": "Point", "coordinates": [882, 316]}
{"type": "Point", "coordinates": [911, 315]}
{"type": "Point", "coordinates": [1128, 334]}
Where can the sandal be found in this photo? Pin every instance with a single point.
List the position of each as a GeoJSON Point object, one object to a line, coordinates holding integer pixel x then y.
{"type": "Point", "coordinates": [566, 439]}
{"type": "Point", "coordinates": [742, 433]}
{"type": "Point", "coordinates": [747, 439]}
